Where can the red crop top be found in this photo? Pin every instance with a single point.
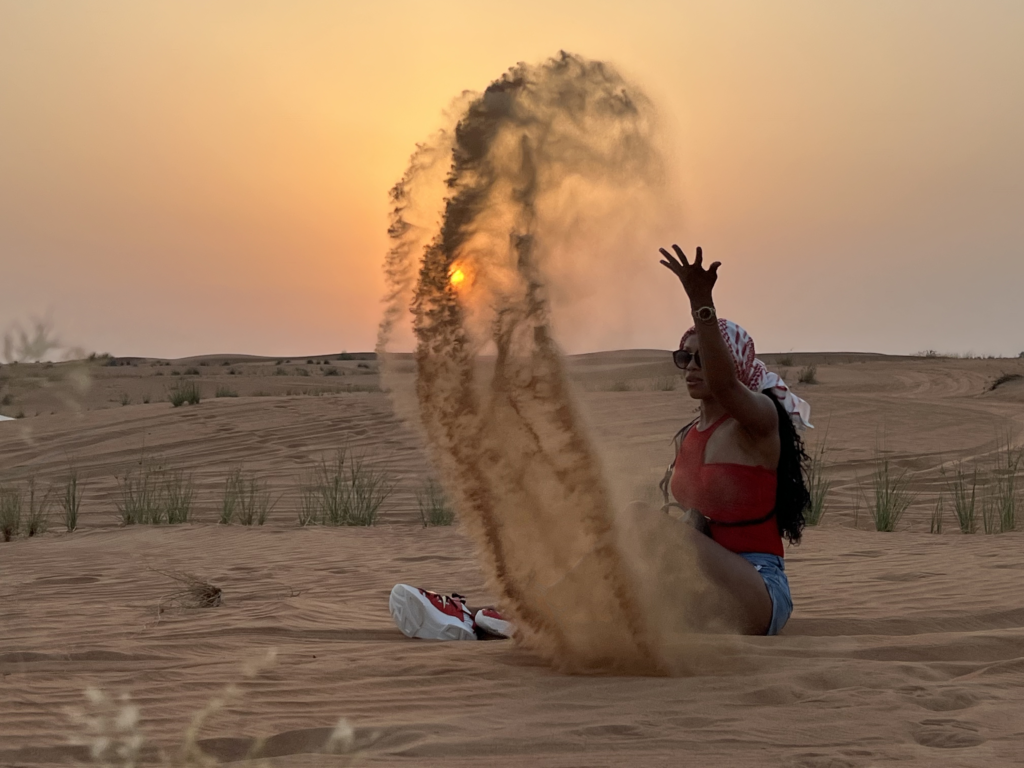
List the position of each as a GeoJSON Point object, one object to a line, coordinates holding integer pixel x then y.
{"type": "Point", "coordinates": [727, 493]}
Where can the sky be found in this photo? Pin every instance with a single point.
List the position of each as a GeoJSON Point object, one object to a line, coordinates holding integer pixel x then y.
{"type": "Point", "coordinates": [183, 178]}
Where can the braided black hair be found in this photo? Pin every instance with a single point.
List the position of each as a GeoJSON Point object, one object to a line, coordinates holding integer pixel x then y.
{"type": "Point", "coordinates": [791, 494]}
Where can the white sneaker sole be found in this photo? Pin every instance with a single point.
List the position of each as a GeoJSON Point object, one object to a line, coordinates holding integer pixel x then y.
{"type": "Point", "coordinates": [417, 617]}
{"type": "Point", "coordinates": [498, 627]}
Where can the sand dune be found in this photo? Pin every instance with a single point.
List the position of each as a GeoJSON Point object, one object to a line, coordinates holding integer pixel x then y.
{"type": "Point", "coordinates": [904, 647]}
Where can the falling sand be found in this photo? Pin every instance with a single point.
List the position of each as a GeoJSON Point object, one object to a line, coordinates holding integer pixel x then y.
{"type": "Point", "coordinates": [551, 166]}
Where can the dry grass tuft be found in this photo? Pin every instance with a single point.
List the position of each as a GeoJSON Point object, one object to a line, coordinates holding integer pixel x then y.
{"type": "Point", "coordinates": [435, 509]}
{"type": "Point", "coordinates": [193, 592]}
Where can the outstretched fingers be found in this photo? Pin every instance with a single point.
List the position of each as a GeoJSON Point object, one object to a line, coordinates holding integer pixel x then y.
{"type": "Point", "coordinates": [681, 255]}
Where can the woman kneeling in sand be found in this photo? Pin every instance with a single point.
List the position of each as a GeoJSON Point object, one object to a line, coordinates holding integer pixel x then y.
{"type": "Point", "coordinates": [737, 475]}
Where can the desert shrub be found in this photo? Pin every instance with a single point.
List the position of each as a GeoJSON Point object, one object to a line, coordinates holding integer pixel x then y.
{"type": "Point", "coordinates": [666, 383]}
{"type": "Point", "coordinates": [70, 500]}
{"type": "Point", "coordinates": [786, 361]}
{"type": "Point", "coordinates": [1009, 460]}
{"type": "Point", "coordinates": [246, 499]}
{"type": "Point", "coordinates": [964, 489]}
{"type": "Point", "coordinates": [935, 525]}
{"type": "Point", "coordinates": [279, 371]}
{"type": "Point", "coordinates": [223, 391]}
{"type": "Point", "coordinates": [37, 514]}
{"type": "Point", "coordinates": [140, 494]}
{"type": "Point", "coordinates": [435, 509]}
{"type": "Point", "coordinates": [126, 399]}
{"type": "Point", "coordinates": [192, 372]}
{"type": "Point", "coordinates": [185, 391]}
{"type": "Point", "coordinates": [146, 398]}
{"type": "Point", "coordinates": [343, 491]}
{"type": "Point", "coordinates": [620, 386]}
{"type": "Point", "coordinates": [365, 366]}
{"type": "Point", "coordinates": [301, 372]}
{"type": "Point", "coordinates": [176, 499]}
{"type": "Point", "coordinates": [330, 370]}
{"type": "Point", "coordinates": [10, 513]}
{"type": "Point", "coordinates": [891, 496]}
{"type": "Point", "coordinates": [808, 374]}
{"type": "Point", "coordinates": [818, 484]}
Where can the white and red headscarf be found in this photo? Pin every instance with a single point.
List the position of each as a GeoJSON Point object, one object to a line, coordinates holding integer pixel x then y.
{"type": "Point", "coordinates": [753, 374]}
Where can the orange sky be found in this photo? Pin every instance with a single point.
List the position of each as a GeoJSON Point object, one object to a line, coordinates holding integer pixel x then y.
{"type": "Point", "coordinates": [191, 177]}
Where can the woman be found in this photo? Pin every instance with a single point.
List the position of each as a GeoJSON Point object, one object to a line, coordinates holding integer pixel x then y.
{"type": "Point", "coordinates": [737, 473]}
{"type": "Point", "coordinates": [738, 466]}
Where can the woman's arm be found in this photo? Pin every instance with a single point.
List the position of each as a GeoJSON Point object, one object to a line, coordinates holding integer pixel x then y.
{"type": "Point", "coordinates": [755, 412]}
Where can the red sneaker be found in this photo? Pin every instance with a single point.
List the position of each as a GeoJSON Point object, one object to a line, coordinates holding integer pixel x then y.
{"type": "Point", "coordinates": [492, 622]}
{"type": "Point", "coordinates": [430, 616]}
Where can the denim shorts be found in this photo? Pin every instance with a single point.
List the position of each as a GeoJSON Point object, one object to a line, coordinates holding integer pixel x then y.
{"type": "Point", "coordinates": [773, 570]}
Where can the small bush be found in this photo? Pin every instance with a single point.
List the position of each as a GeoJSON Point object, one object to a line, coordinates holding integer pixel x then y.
{"type": "Point", "coordinates": [786, 361]}
{"type": "Point", "coordinates": [70, 501]}
{"type": "Point", "coordinates": [433, 504]}
{"type": "Point", "coordinates": [330, 370]}
{"type": "Point", "coordinates": [279, 371]}
{"type": "Point", "coordinates": [818, 484]}
{"type": "Point", "coordinates": [6, 399]}
{"type": "Point", "coordinates": [223, 391]}
{"type": "Point", "coordinates": [178, 494]}
{"type": "Point", "coordinates": [301, 372]}
{"type": "Point", "coordinates": [126, 399]}
{"type": "Point", "coordinates": [343, 491]}
{"type": "Point", "coordinates": [808, 374]}
{"type": "Point", "coordinates": [37, 518]}
{"type": "Point", "coordinates": [185, 391]}
{"type": "Point", "coordinates": [620, 386]}
{"type": "Point", "coordinates": [192, 372]}
{"type": "Point", "coordinates": [10, 513]}
{"type": "Point", "coordinates": [964, 488]}
{"type": "Point", "coordinates": [1007, 480]}
{"type": "Point", "coordinates": [936, 520]}
{"type": "Point", "coordinates": [666, 383]}
{"type": "Point", "coordinates": [140, 500]}
{"type": "Point", "coordinates": [891, 496]}
{"type": "Point", "coordinates": [246, 499]}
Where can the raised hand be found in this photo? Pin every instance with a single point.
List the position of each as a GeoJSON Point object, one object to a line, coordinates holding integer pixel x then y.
{"type": "Point", "coordinates": [697, 281]}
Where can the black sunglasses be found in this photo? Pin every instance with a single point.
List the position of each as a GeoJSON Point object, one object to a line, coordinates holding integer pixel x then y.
{"type": "Point", "coordinates": [682, 358]}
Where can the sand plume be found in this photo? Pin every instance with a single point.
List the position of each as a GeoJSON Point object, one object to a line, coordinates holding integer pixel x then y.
{"type": "Point", "coordinates": [547, 163]}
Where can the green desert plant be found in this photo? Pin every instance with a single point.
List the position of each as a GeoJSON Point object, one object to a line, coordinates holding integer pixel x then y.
{"type": "Point", "coordinates": [808, 374]}
{"type": "Point", "coordinates": [891, 496]}
{"type": "Point", "coordinates": [141, 494]}
{"type": "Point", "coordinates": [818, 483]}
{"type": "Point", "coordinates": [184, 391]}
{"type": "Point", "coordinates": [434, 506]}
{"type": "Point", "coordinates": [343, 491]}
{"type": "Point", "coordinates": [1007, 476]}
{"type": "Point", "coordinates": [246, 499]}
{"type": "Point", "coordinates": [936, 520]}
{"type": "Point", "coordinates": [37, 515]}
{"type": "Point", "coordinates": [223, 391]}
{"type": "Point", "coordinates": [10, 513]}
{"type": "Point", "coordinates": [964, 489]}
{"type": "Point", "coordinates": [666, 383]}
{"type": "Point", "coordinates": [70, 501]}
{"type": "Point", "coordinates": [177, 497]}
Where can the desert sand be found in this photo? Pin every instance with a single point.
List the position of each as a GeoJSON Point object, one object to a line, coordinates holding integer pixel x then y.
{"type": "Point", "coordinates": [904, 647]}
